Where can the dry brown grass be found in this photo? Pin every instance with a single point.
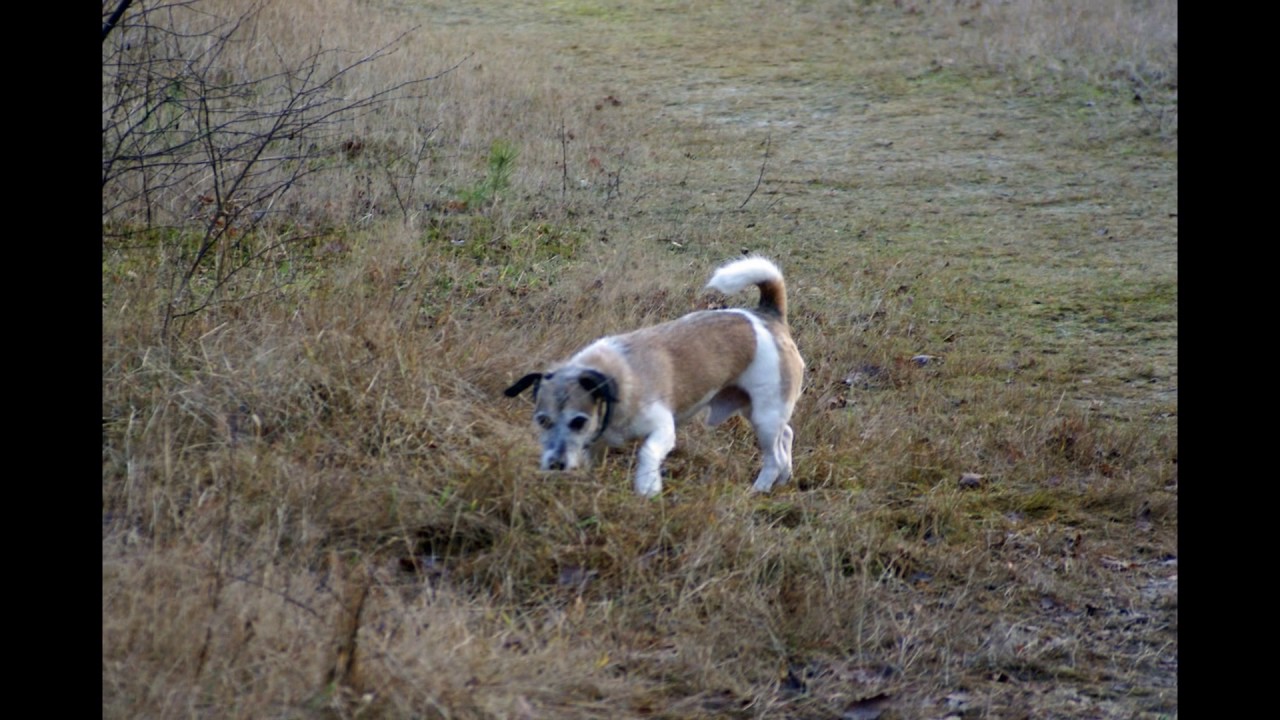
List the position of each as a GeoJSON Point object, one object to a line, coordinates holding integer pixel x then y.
{"type": "Point", "coordinates": [317, 503]}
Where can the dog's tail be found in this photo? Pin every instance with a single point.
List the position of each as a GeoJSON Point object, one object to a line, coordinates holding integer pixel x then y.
{"type": "Point", "coordinates": [757, 271]}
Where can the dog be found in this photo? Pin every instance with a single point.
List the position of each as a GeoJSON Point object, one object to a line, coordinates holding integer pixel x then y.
{"type": "Point", "coordinates": [644, 383]}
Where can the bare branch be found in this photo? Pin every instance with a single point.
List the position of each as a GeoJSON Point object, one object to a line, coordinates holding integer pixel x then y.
{"type": "Point", "coordinates": [192, 147]}
{"type": "Point", "coordinates": [768, 140]}
{"type": "Point", "coordinates": [115, 18]}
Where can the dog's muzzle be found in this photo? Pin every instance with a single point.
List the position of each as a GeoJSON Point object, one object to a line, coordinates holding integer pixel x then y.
{"type": "Point", "coordinates": [562, 456]}
{"type": "Point", "coordinates": [558, 458]}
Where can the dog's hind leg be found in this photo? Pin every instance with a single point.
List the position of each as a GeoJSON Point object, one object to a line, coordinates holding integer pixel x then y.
{"type": "Point", "coordinates": [774, 439]}
{"type": "Point", "coordinates": [784, 454]}
{"type": "Point", "coordinates": [725, 403]}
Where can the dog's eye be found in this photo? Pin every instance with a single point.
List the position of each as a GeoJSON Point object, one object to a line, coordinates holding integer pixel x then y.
{"type": "Point", "coordinates": [544, 421]}
{"type": "Point", "coordinates": [578, 423]}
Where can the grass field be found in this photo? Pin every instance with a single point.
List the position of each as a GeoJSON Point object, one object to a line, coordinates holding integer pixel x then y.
{"type": "Point", "coordinates": [317, 502]}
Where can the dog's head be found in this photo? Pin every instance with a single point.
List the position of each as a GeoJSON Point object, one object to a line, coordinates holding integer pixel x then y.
{"type": "Point", "coordinates": [572, 408]}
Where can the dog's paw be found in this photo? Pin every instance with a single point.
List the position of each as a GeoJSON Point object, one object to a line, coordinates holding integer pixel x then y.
{"type": "Point", "coordinates": [649, 486]}
{"type": "Point", "coordinates": [764, 483]}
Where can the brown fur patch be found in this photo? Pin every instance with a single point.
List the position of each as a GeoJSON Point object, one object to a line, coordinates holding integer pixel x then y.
{"type": "Point", "coordinates": [683, 358]}
{"type": "Point", "coordinates": [773, 299]}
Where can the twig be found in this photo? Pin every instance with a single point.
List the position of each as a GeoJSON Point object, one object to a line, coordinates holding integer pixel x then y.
{"type": "Point", "coordinates": [768, 140]}
{"type": "Point", "coordinates": [283, 595]}
{"type": "Point", "coordinates": [216, 592]}
{"type": "Point", "coordinates": [613, 187]}
{"type": "Point", "coordinates": [564, 163]}
{"type": "Point", "coordinates": [115, 18]}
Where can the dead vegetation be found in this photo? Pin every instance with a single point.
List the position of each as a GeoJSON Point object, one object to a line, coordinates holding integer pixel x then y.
{"type": "Point", "coordinates": [317, 503]}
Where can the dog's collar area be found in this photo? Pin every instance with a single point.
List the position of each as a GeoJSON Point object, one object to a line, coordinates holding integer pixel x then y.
{"type": "Point", "coordinates": [604, 422]}
{"type": "Point", "coordinates": [602, 389]}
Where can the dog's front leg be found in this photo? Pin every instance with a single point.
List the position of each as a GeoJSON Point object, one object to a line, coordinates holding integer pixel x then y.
{"type": "Point", "coordinates": [654, 450]}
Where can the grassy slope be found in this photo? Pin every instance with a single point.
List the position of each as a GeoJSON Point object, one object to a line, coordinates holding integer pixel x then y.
{"type": "Point", "coordinates": [332, 460]}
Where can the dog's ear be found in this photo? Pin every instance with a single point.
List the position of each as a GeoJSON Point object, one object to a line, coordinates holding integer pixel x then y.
{"type": "Point", "coordinates": [531, 379]}
{"type": "Point", "coordinates": [601, 386]}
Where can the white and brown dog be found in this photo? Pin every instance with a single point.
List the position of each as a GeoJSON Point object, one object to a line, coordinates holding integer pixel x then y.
{"type": "Point", "coordinates": [642, 384]}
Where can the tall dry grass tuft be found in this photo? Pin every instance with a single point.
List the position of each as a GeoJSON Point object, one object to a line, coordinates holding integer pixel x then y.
{"type": "Point", "coordinates": [1129, 49]}
{"type": "Point", "coordinates": [1094, 42]}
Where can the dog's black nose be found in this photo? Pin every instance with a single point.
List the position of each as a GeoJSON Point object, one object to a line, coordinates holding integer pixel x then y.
{"type": "Point", "coordinates": [555, 465]}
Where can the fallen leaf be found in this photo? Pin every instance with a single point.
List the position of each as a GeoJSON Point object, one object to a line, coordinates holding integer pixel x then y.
{"type": "Point", "coordinates": [574, 575]}
{"type": "Point", "coordinates": [958, 701]}
{"type": "Point", "coordinates": [867, 709]}
{"type": "Point", "coordinates": [793, 683]}
{"type": "Point", "coordinates": [1117, 564]}
{"type": "Point", "coordinates": [866, 675]}
{"type": "Point", "coordinates": [1143, 523]}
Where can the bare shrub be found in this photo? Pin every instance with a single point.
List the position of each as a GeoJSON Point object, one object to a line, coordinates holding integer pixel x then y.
{"type": "Point", "coordinates": [200, 148]}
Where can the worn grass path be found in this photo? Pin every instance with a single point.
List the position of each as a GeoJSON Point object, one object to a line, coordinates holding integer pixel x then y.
{"type": "Point", "coordinates": [885, 137]}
